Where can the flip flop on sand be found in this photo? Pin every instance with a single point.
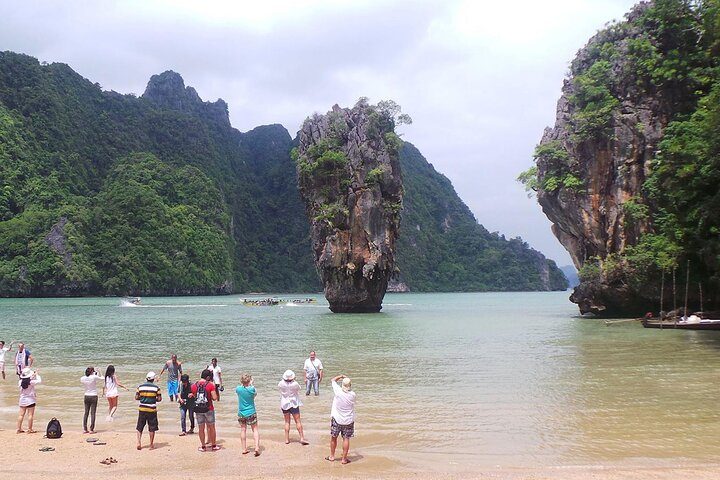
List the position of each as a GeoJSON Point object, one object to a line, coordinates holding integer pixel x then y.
{"type": "Point", "coordinates": [100, 443]}
{"type": "Point", "coordinates": [32, 431]}
{"type": "Point", "coordinates": [91, 440]}
{"type": "Point", "coordinates": [246, 452]}
{"type": "Point", "coordinates": [257, 453]}
{"type": "Point", "coordinates": [304, 442]}
{"type": "Point", "coordinates": [329, 459]}
{"type": "Point", "coordinates": [105, 462]}
{"type": "Point", "coordinates": [47, 449]}
{"type": "Point", "coordinates": [202, 449]}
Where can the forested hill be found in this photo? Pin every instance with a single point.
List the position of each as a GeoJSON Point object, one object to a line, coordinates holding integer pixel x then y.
{"type": "Point", "coordinates": [104, 193]}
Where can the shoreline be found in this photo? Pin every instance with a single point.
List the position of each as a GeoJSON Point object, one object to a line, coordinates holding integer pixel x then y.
{"type": "Point", "coordinates": [174, 455]}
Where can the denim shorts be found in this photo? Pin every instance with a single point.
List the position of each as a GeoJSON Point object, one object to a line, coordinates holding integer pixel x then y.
{"type": "Point", "coordinates": [292, 411]}
{"type": "Point", "coordinates": [207, 417]}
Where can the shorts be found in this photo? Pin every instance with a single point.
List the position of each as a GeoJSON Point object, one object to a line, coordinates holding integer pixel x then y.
{"type": "Point", "coordinates": [348, 431]}
{"type": "Point", "coordinates": [147, 417]}
{"type": "Point", "coordinates": [207, 417]}
{"type": "Point", "coordinates": [249, 420]}
{"type": "Point", "coordinates": [32, 405]}
{"type": "Point", "coordinates": [292, 411]}
{"type": "Point", "coordinates": [173, 387]}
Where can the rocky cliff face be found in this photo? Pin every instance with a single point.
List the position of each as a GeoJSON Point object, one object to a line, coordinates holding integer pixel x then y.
{"type": "Point", "coordinates": [592, 164]}
{"type": "Point", "coordinates": [350, 182]}
{"type": "Point", "coordinates": [168, 91]}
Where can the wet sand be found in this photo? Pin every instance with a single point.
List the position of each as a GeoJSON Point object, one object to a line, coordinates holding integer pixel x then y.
{"type": "Point", "coordinates": [175, 456]}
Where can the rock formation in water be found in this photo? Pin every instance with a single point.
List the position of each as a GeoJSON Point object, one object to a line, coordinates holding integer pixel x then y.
{"type": "Point", "coordinates": [625, 86]}
{"type": "Point", "coordinates": [349, 177]}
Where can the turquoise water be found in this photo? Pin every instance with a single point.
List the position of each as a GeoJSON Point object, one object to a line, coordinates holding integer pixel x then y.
{"type": "Point", "coordinates": [509, 379]}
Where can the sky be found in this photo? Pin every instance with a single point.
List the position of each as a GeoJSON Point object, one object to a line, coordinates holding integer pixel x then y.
{"type": "Point", "coordinates": [480, 79]}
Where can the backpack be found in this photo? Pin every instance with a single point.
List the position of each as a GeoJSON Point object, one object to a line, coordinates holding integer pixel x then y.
{"type": "Point", "coordinates": [201, 400]}
{"type": "Point", "coordinates": [54, 430]}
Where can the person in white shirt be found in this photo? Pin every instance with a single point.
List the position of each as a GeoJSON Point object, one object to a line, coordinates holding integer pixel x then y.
{"type": "Point", "coordinates": [4, 349]}
{"type": "Point", "coordinates": [217, 377]}
{"type": "Point", "coordinates": [290, 404]}
{"type": "Point", "coordinates": [313, 374]}
{"type": "Point", "coordinates": [28, 398]}
{"type": "Point", "coordinates": [23, 358]}
{"type": "Point", "coordinates": [92, 376]}
{"type": "Point", "coordinates": [342, 417]}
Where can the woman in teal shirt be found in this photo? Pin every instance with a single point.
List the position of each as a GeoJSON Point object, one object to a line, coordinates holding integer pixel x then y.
{"type": "Point", "coordinates": [247, 414]}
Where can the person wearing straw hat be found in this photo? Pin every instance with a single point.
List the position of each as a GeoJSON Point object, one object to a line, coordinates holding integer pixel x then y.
{"type": "Point", "coordinates": [148, 394]}
{"type": "Point", "coordinates": [27, 382]}
{"type": "Point", "coordinates": [342, 417]}
{"type": "Point", "coordinates": [290, 404]}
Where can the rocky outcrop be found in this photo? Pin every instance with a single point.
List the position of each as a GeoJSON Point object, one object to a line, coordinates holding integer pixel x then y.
{"type": "Point", "coordinates": [349, 177]}
{"type": "Point", "coordinates": [592, 164]}
{"type": "Point", "coordinates": [168, 91]}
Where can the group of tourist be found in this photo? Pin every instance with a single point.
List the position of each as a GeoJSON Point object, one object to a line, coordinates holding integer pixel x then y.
{"type": "Point", "coordinates": [196, 400]}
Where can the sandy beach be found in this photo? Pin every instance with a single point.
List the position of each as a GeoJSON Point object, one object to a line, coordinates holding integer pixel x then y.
{"type": "Point", "coordinates": [175, 456]}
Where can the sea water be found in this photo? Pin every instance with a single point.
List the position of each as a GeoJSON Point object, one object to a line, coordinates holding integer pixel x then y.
{"type": "Point", "coordinates": [488, 379]}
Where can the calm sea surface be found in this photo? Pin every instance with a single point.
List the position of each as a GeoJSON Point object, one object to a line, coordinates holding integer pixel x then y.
{"type": "Point", "coordinates": [508, 379]}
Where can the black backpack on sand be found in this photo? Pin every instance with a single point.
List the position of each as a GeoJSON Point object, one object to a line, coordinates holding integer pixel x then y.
{"type": "Point", "coordinates": [54, 430]}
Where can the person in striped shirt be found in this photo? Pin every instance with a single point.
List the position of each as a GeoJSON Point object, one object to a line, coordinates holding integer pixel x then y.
{"type": "Point", "coordinates": [148, 395]}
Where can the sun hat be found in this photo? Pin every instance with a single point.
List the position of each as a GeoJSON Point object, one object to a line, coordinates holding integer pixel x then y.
{"type": "Point", "coordinates": [346, 384]}
{"type": "Point", "coordinates": [289, 375]}
{"type": "Point", "coordinates": [150, 376]}
{"type": "Point", "coordinates": [26, 372]}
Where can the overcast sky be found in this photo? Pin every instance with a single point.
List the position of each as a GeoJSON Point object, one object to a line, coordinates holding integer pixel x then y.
{"type": "Point", "coordinates": [480, 79]}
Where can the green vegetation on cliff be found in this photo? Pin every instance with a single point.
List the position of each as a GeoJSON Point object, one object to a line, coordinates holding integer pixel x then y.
{"type": "Point", "coordinates": [108, 193]}
{"type": "Point", "coordinates": [641, 118]}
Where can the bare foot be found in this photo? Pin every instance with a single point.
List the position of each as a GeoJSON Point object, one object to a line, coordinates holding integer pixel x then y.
{"type": "Point", "coordinates": [257, 453]}
{"type": "Point", "coordinates": [345, 460]}
{"type": "Point", "coordinates": [139, 447]}
{"type": "Point", "coordinates": [246, 452]}
{"type": "Point", "coordinates": [32, 431]}
{"type": "Point", "coordinates": [304, 442]}
{"type": "Point", "coordinates": [152, 446]}
{"type": "Point", "coordinates": [21, 431]}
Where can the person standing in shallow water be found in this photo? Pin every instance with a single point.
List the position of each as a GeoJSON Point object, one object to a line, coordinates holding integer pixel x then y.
{"type": "Point", "coordinates": [90, 399]}
{"type": "Point", "coordinates": [290, 404]}
{"type": "Point", "coordinates": [216, 377]}
{"type": "Point", "coordinates": [342, 417]}
{"type": "Point", "coordinates": [174, 369]}
{"type": "Point", "coordinates": [313, 374]}
{"type": "Point", "coordinates": [247, 415]}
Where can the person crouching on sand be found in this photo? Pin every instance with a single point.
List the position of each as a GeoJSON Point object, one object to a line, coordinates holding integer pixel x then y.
{"type": "Point", "coordinates": [342, 417]}
{"type": "Point", "coordinates": [27, 382]}
{"type": "Point", "coordinates": [290, 404]}
{"type": "Point", "coordinates": [247, 415]}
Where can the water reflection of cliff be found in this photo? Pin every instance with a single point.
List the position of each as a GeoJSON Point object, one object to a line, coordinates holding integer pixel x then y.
{"type": "Point", "coordinates": [640, 394]}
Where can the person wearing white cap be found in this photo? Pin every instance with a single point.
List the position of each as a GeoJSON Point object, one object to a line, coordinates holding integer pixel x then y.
{"type": "Point", "coordinates": [148, 395]}
{"type": "Point", "coordinates": [342, 417]}
{"type": "Point", "coordinates": [27, 382]}
{"type": "Point", "coordinates": [290, 404]}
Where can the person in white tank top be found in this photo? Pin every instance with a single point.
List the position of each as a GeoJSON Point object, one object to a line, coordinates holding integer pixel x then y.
{"type": "Point", "coordinates": [110, 390]}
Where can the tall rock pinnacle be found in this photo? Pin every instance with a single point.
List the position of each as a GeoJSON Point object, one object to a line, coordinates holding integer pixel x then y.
{"type": "Point", "coordinates": [349, 176]}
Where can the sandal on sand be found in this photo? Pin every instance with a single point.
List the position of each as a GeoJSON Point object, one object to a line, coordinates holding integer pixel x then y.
{"type": "Point", "coordinates": [246, 452]}
{"type": "Point", "coordinates": [32, 431]}
{"type": "Point", "coordinates": [257, 453]}
{"type": "Point", "coordinates": [182, 434]}
{"type": "Point", "coordinates": [20, 431]}
{"type": "Point", "coordinates": [329, 459]}
{"type": "Point", "coordinates": [202, 449]}
{"type": "Point", "coordinates": [47, 449]}
{"type": "Point", "coordinates": [100, 443]}
{"type": "Point", "coordinates": [91, 440]}
{"type": "Point", "coordinates": [304, 442]}
{"type": "Point", "coordinates": [215, 448]}
{"type": "Point", "coordinates": [105, 462]}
